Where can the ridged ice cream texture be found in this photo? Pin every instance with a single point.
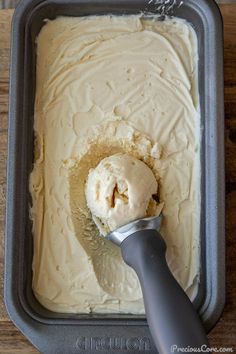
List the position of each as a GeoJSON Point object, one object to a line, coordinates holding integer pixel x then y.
{"type": "Point", "coordinates": [108, 85]}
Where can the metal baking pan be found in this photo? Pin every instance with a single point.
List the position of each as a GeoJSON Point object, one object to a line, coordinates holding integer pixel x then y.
{"type": "Point", "coordinates": [73, 333]}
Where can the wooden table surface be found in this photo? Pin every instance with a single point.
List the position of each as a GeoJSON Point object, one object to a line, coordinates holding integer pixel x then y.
{"type": "Point", "coordinates": [224, 333]}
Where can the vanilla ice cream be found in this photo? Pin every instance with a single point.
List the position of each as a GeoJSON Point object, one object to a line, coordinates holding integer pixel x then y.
{"type": "Point", "coordinates": [118, 190]}
{"type": "Point", "coordinates": [108, 85]}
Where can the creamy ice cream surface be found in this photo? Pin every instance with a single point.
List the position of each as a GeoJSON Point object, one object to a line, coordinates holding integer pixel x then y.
{"type": "Point", "coordinates": [109, 89]}
{"type": "Point", "coordinates": [119, 190]}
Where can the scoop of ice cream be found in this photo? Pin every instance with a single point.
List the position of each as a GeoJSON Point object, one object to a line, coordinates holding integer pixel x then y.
{"type": "Point", "coordinates": [119, 190]}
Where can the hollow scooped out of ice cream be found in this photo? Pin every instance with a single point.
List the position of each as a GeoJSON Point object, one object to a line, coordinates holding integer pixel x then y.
{"type": "Point", "coordinates": [120, 189]}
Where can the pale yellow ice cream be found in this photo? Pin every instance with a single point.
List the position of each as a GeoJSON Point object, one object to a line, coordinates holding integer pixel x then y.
{"type": "Point", "coordinates": [108, 85]}
{"type": "Point", "coordinates": [118, 190]}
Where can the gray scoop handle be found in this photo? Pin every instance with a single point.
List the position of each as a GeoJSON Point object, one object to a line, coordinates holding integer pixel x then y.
{"type": "Point", "coordinates": [170, 314]}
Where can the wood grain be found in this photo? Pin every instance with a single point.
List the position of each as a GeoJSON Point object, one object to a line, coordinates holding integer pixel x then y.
{"type": "Point", "coordinates": [5, 21]}
{"type": "Point", "coordinates": [224, 333]}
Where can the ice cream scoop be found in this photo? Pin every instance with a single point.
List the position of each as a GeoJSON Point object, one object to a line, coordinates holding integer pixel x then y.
{"type": "Point", "coordinates": [119, 191]}
{"type": "Point", "coordinates": [172, 319]}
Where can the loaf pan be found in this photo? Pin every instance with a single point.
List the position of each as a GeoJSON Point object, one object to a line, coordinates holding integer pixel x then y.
{"type": "Point", "coordinates": [74, 333]}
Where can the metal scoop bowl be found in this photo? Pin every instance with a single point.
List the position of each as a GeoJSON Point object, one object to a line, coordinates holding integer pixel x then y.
{"type": "Point", "coordinates": [171, 316]}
